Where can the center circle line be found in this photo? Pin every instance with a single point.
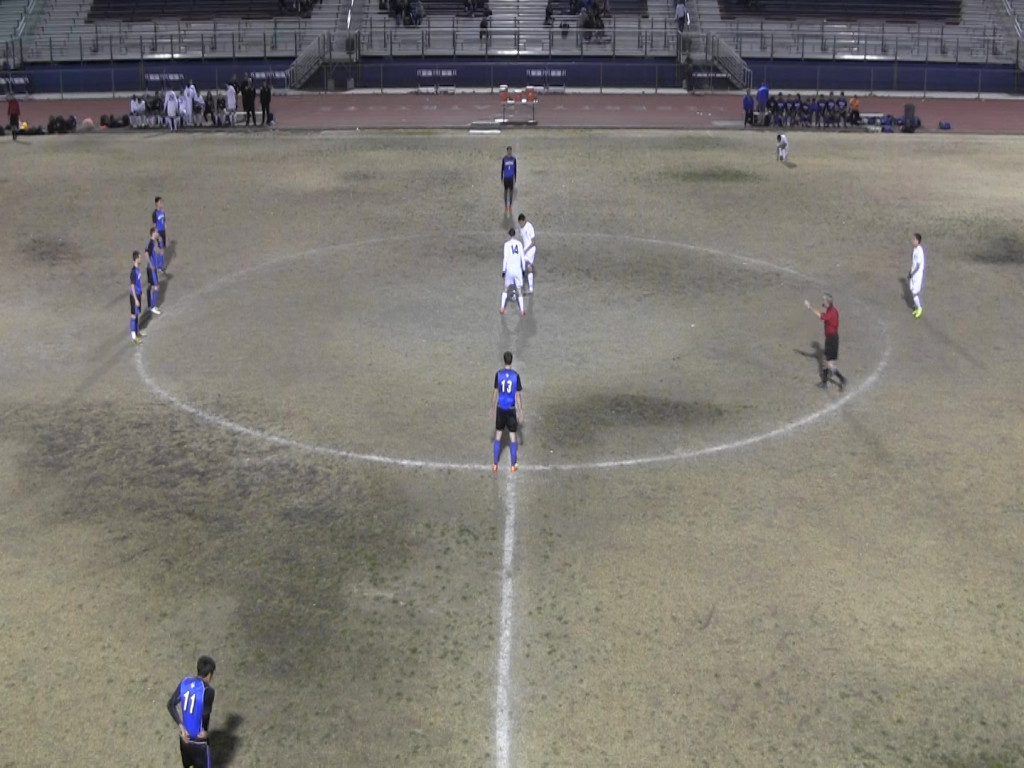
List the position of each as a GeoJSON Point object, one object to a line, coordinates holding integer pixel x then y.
{"type": "Point", "coordinates": [339, 453]}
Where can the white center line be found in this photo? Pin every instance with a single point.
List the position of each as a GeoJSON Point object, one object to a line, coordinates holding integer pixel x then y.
{"type": "Point", "coordinates": [502, 704]}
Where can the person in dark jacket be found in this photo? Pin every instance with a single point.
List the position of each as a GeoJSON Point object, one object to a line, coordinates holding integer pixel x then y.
{"type": "Point", "coordinates": [265, 103]}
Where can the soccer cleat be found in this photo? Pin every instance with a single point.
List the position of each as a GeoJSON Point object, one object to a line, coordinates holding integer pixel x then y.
{"type": "Point", "coordinates": [136, 340]}
{"type": "Point", "coordinates": [502, 310]}
{"type": "Point", "coordinates": [142, 333]}
{"type": "Point", "coordinates": [515, 467]}
{"type": "Point", "coordinates": [154, 310]}
{"type": "Point", "coordinates": [494, 467]}
{"type": "Point", "coordinates": [522, 314]}
{"type": "Point", "coordinates": [918, 312]}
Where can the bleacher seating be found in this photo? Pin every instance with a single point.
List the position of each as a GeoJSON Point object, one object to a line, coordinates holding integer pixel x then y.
{"type": "Point", "coordinates": [148, 10]}
{"type": "Point", "coordinates": [844, 10]}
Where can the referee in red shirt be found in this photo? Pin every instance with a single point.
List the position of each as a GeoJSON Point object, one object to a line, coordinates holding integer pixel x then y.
{"type": "Point", "coordinates": [829, 315]}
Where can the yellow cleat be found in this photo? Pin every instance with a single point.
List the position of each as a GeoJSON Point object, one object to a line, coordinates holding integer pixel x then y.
{"type": "Point", "coordinates": [918, 312]}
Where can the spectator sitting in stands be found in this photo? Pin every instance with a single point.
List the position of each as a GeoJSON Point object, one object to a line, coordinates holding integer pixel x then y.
{"type": "Point", "coordinates": [416, 12]}
{"type": "Point", "coordinates": [603, 9]}
{"type": "Point", "coordinates": [549, 14]}
{"type": "Point", "coordinates": [591, 20]}
{"type": "Point", "coordinates": [575, 7]}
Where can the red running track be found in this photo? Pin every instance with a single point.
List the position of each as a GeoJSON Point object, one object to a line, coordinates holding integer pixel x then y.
{"type": "Point", "coordinates": [357, 109]}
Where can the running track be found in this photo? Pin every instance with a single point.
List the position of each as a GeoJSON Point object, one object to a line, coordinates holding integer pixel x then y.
{"type": "Point", "coordinates": [360, 109]}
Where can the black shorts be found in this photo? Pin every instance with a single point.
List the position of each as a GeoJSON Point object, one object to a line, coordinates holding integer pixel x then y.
{"type": "Point", "coordinates": [163, 238]}
{"type": "Point", "coordinates": [506, 420]}
{"type": "Point", "coordinates": [509, 183]}
{"type": "Point", "coordinates": [832, 348]}
{"type": "Point", "coordinates": [135, 308]}
{"type": "Point", "coordinates": [152, 277]}
{"type": "Point", "coordinates": [194, 754]}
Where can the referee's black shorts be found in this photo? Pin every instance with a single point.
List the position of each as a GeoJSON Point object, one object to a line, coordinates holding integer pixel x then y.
{"type": "Point", "coordinates": [509, 182]}
{"type": "Point", "coordinates": [832, 348]}
{"type": "Point", "coordinates": [506, 420]}
{"type": "Point", "coordinates": [194, 754]}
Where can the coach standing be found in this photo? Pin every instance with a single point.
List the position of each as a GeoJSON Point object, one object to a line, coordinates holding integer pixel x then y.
{"type": "Point", "coordinates": [265, 103]}
{"type": "Point", "coordinates": [829, 315]}
{"type": "Point", "coordinates": [14, 115]}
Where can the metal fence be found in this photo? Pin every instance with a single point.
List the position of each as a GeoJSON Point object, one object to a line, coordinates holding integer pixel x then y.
{"type": "Point", "coordinates": [957, 45]}
{"type": "Point", "coordinates": [460, 36]}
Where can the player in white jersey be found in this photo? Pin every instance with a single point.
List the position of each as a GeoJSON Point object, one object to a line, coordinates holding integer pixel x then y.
{"type": "Point", "coordinates": [512, 268]}
{"type": "Point", "coordinates": [782, 146]}
{"type": "Point", "coordinates": [915, 278]}
{"type": "Point", "coordinates": [529, 247]}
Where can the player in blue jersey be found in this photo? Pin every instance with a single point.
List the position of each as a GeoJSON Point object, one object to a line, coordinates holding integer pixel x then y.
{"type": "Point", "coordinates": [154, 252]}
{"type": "Point", "coordinates": [507, 405]}
{"type": "Point", "coordinates": [190, 706]}
{"type": "Point", "coordinates": [508, 178]}
{"type": "Point", "coordinates": [160, 223]}
{"type": "Point", "coordinates": [135, 297]}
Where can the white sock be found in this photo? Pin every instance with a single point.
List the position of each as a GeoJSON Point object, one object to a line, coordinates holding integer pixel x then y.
{"type": "Point", "coordinates": [504, 298]}
{"type": "Point", "coordinates": [522, 311]}
{"type": "Point", "coordinates": [530, 278]}
{"type": "Point", "coordinates": [917, 301]}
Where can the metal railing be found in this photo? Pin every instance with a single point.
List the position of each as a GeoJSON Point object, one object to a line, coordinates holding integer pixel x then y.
{"type": "Point", "coordinates": [850, 43]}
{"type": "Point", "coordinates": [460, 36]}
{"type": "Point", "coordinates": [128, 42]}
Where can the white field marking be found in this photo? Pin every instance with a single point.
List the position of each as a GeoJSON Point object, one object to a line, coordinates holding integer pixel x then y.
{"type": "Point", "coordinates": [502, 695]}
{"type": "Point", "coordinates": [675, 456]}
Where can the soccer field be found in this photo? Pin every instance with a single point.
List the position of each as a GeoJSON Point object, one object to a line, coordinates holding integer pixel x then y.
{"type": "Point", "coordinates": [704, 558]}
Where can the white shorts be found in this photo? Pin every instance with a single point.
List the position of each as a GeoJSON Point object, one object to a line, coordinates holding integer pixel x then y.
{"type": "Point", "coordinates": [516, 280]}
{"type": "Point", "coordinates": [915, 283]}
{"type": "Point", "coordinates": [530, 253]}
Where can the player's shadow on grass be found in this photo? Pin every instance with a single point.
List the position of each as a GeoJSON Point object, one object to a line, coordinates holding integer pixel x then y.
{"type": "Point", "coordinates": [817, 353]}
{"type": "Point", "coordinates": [908, 297]}
{"type": "Point", "coordinates": [517, 331]}
{"type": "Point", "coordinates": [789, 164]}
{"type": "Point", "coordinates": [170, 252]}
{"type": "Point", "coordinates": [224, 741]}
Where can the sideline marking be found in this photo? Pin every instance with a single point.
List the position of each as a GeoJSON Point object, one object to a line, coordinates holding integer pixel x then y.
{"type": "Point", "coordinates": [502, 704]}
{"type": "Point", "coordinates": [679, 455]}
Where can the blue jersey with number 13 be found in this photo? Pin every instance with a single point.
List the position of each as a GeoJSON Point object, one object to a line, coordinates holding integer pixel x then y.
{"type": "Point", "coordinates": [506, 381]}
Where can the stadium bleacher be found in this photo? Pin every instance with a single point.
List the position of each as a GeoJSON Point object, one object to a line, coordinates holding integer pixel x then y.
{"type": "Point", "coordinates": [844, 10]}
{"type": "Point", "coordinates": [147, 10]}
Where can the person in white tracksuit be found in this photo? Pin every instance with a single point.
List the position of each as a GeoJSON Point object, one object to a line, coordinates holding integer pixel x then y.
{"type": "Point", "coordinates": [171, 109]}
{"type": "Point", "coordinates": [782, 145]}
{"type": "Point", "coordinates": [191, 96]}
{"type": "Point", "coordinates": [915, 278]}
{"type": "Point", "coordinates": [231, 106]}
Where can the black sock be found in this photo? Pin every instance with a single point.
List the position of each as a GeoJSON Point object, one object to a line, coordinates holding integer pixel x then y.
{"type": "Point", "coordinates": [840, 376]}
{"type": "Point", "coordinates": [824, 375]}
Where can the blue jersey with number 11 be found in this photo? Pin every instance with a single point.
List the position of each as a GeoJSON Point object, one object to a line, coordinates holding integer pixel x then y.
{"type": "Point", "coordinates": [508, 167]}
{"type": "Point", "coordinates": [192, 696]}
{"type": "Point", "coordinates": [507, 382]}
